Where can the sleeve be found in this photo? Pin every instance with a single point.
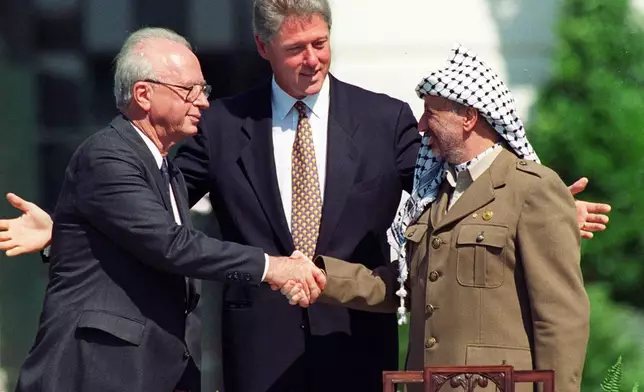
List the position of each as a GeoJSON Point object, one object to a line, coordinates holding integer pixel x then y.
{"type": "Point", "coordinates": [355, 286]}
{"type": "Point", "coordinates": [112, 194]}
{"type": "Point", "coordinates": [549, 246]}
{"type": "Point", "coordinates": [406, 145]}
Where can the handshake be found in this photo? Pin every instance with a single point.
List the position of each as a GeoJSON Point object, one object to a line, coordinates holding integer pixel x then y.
{"type": "Point", "coordinates": [296, 277]}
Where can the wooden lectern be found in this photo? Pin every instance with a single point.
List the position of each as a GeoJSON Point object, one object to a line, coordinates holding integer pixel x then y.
{"type": "Point", "coordinates": [469, 378]}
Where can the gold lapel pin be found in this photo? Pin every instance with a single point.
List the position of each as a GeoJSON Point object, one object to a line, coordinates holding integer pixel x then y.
{"type": "Point", "coordinates": [487, 215]}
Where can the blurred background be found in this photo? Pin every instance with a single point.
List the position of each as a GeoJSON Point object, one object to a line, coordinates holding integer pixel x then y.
{"type": "Point", "coordinates": [576, 68]}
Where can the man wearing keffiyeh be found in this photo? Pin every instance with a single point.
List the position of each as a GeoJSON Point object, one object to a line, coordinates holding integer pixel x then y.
{"type": "Point", "coordinates": [489, 239]}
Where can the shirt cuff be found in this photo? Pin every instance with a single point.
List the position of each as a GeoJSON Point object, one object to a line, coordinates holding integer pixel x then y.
{"type": "Point", "coordinates": [265, 267]}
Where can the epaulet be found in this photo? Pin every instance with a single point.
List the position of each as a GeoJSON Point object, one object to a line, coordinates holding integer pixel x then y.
{"type": "Point", "coordinates": [531, 167]}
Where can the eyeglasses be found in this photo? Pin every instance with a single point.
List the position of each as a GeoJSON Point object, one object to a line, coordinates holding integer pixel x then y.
{"type": "Point", "coordinates": [193, 91]}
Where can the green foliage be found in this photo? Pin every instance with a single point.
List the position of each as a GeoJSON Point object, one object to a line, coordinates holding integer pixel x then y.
{"type": "Point", "coordinates": [613, 379]}
{"type": "Point", "coordinates": [589, 121]}
{"type": "Point", "coordinates": [615, 332]}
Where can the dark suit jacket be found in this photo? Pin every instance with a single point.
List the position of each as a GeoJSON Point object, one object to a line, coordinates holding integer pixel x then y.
{"type": "Point", "coordinates": [117, 303]}
{"type": "Point", "coordinates": [372, 147]}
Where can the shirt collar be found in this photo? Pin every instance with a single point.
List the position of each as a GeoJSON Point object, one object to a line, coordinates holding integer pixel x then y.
{"type": "Point", "coordinates": [474, 167]}
{"type": "Point", "coordinates": [282, 103]}
{"type": "Point", "coordinates": [151, 146]}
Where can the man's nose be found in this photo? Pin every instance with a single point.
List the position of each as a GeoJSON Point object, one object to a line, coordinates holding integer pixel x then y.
{"type": "Point", "coordinates": [422, 123]}
{"type": "Point", "coordinates": [311, 59]}
{"type": "Point", "coordinates": [202, 102]}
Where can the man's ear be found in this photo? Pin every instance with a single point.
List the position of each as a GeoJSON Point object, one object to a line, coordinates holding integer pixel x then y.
{"type": "Point", "coordinates": [141, 94]}
{"type": "Point", "coordinates": [261, 47]}
{"type": "Point", "coordinates": [471, 117]}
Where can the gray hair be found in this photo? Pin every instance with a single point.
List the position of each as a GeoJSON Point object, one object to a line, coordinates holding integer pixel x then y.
{"type": "Point", "coordinates": [268, 15]}
{"type": "Point", "coordinates": [132, 66]}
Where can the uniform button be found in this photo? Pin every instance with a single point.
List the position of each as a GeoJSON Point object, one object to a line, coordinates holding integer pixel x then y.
{"type": "Point", "coordinates": [433, 276]}
{"type": "Point", "coordinates": [480, 237]}
{"type": "Point", "coordinates": [436, 242]}
{"type": "Point", "coordinates": [410, 233]}
{"type": "Point", "coordinates": [429, 343]}
{"type": "Point", "coordinates": [429, 309]}
{"type": "Point", "coordinates": [523, 163]}
{"type": "Point", "coordinates": [186, 355]}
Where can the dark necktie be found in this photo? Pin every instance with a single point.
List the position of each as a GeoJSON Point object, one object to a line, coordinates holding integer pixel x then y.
{"type": "Point", "coordinates": [165, 173]}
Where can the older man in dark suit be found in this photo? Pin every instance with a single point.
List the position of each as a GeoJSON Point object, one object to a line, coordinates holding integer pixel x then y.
{"type": "Point", "coordinates": [118, 311]}
{"type": "Point", "coordinates": [302, 136]}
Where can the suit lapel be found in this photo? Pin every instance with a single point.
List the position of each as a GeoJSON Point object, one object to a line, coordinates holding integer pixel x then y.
{"type": "Point", "coordinates": [127, 131]}
{"type": "Point", "coordinates": [258, 164]}
{"type": "Point", "coordinates": [481, 192]}
{"type": "Point", "coordinates": [342, 163]}
{"type": "Point", "coordinates": [180, 195]}
{"type": "Point", "coordinates": [193, 286]}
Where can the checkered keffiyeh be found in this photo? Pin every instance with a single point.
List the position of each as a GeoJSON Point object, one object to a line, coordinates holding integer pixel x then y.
{"type": "Point", "coordinates": [469, 82]}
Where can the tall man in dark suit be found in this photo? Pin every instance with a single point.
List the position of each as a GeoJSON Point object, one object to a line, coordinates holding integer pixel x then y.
{"type": "Point", "coordinates": [251, 154]}
{"type": "Point", "coordinates": [489, 240]}
{"type": "Point", "coordinates": [118, 311]}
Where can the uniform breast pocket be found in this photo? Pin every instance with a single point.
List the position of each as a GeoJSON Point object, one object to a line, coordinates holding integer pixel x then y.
{"type": "Point", "coordinates": [481, 255]}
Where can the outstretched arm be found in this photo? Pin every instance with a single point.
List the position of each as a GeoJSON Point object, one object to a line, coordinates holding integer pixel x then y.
{"type": "Point", "coordinates": [30, 232]}
{"type": "Point", "coordinates": [351, 285]}
{"type": "Point", "coordinates": [591, 217]}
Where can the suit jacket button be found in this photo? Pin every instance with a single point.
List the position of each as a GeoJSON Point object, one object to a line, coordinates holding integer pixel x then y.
{"type": "Point", "coordinates": [431, 342]}
{"type": "Point", "coordinates": [433, 276]}
{"type": "Point", "coordinates": [186, 355]}
{"type": "Point", "coordinates": [429, 309]}
{"type": "Point", "coordinates": [436, 242]}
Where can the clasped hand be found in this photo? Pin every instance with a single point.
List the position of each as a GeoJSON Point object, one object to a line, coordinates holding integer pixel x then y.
{"type": "Point", "coordinates": [297, 278]}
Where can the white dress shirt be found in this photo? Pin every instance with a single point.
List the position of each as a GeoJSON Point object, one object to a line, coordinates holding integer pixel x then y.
{"type": "Point", "coordinates": [285, 119]}
{"type": "Point", "coordinates": [175, 210]}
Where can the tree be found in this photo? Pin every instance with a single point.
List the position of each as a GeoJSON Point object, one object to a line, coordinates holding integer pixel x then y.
{"type": "Point", "coordinates": [589, 120]}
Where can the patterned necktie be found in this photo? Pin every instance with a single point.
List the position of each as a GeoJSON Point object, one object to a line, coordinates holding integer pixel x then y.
{"type": "Point", "coordinates": [306, 209]}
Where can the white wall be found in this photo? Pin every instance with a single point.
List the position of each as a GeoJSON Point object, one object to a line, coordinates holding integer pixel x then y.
{"type": "Point", "coordinates": [390, 45]}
